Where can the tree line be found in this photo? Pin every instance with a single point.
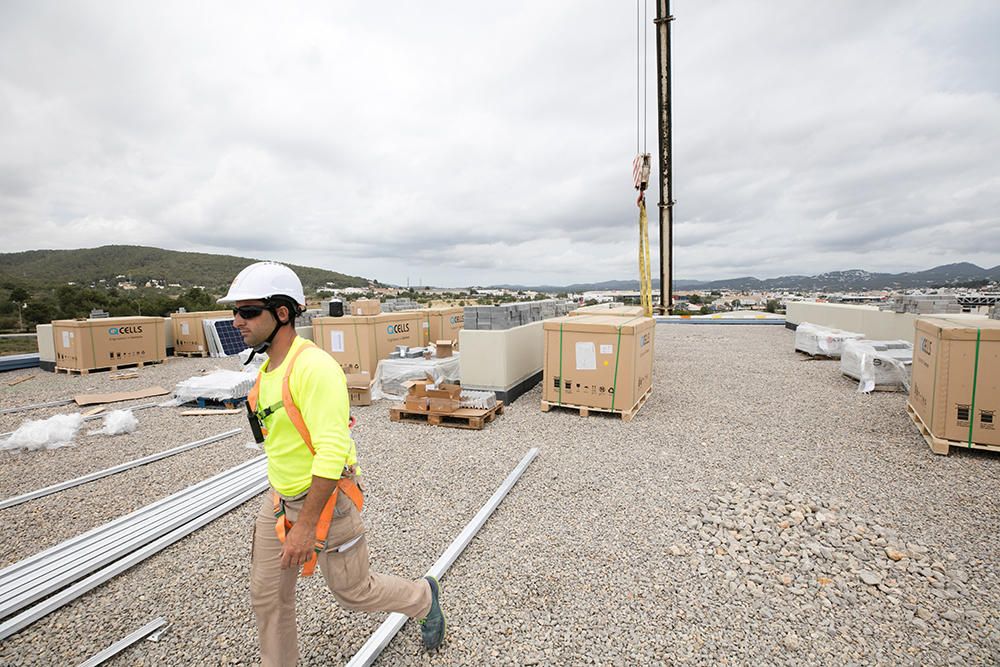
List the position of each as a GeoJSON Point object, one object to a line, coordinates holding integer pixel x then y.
{"type": "Point", "coordinates": [21, 309]}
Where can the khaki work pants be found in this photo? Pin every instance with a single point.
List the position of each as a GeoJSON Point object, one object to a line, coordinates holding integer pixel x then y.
{"type": "Point", "coordinates": [272, 589]}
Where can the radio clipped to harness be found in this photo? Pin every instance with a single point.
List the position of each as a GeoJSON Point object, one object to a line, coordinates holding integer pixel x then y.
{"type": "Point", "coordinates": [255, 426]}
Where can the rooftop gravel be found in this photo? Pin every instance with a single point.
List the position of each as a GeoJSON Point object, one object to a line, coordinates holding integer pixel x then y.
{"type": "Point", "coordinates": [757, 510]}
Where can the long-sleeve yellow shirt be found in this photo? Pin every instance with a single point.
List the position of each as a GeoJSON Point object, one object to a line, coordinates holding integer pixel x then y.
{"type": "Point", "coordinates": [319, 389]}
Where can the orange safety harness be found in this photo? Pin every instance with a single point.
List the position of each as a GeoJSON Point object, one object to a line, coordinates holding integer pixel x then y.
{"type": "Point", "coordinates": [346, 483]}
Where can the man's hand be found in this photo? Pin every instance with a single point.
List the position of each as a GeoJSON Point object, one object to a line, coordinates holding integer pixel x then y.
{"type": "Point", "coordinates": [300, 542]}
{"type": "Point", "coordinates": [299, 546]}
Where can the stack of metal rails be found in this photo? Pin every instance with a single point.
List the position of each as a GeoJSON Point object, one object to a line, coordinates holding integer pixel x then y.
{"type": "Point", "coordinates": [40, 584]}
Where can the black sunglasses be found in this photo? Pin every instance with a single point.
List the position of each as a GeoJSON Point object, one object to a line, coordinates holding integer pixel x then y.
{"type": "Point", "coordinates": [249, 312]}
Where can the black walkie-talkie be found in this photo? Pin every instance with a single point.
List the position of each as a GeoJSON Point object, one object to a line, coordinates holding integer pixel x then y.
{"type": "Point", "coordinates": [258, 434]}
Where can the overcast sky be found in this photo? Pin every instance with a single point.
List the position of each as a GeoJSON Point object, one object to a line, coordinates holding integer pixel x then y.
{"type": "Point", "coordinates": [456, 143]}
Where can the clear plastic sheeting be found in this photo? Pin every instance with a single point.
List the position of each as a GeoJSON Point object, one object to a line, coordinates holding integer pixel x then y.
{"type": "Point", "coordinates": [817, 340]}
{"type": "Point", "coordinates": [255, 363]}
{"type": "Point", "coordinates": [392, 374]}
{"type": "Point", "coordinates": [217, 385]}
{"type": "Point", "coordinates": [56, 431]}
{"type": "Point", "coordinates": [117, 422]}
{"type": "Point", "coordinates": [878, 364]}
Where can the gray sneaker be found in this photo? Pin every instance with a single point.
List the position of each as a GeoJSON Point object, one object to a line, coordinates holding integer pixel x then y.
{"type": "Point", "coordinates": [433, 625]}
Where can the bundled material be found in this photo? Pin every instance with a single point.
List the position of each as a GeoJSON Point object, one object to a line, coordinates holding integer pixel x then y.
{"type": "Point", "coordinates": [925, 304]}
{"type": "Point", "coordinates": [117, 422]}
{"type": "Point", "coordinates": [392, 375]}
{"type": "Point", "coordinates": [51, 433]}
{"type": "Point", "coordinates": [878, 364]}
{"type": "Point", "coordinates": [478, 400]}
{"type": "Point", "coordinates": [822, 341]}
{"type": "Point", "coordinates": [217, 385]}
{"type": "Point", "coordinates": [514, 314]}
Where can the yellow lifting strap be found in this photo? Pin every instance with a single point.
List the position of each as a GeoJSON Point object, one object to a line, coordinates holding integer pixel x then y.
{"type": "Point", "coordinates": [640, 179]}
{"type": "Point", "coordinates": [645, 281]}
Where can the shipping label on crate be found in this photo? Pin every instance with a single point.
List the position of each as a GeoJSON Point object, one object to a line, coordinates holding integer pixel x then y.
{"type": "Point", "coordinates": [337, 340]}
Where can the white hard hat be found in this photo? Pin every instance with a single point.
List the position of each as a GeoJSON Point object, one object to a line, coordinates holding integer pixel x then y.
{"type": "Point", "coordinates": [264, 280]}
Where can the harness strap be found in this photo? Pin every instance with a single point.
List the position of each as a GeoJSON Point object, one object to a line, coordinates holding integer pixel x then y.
{"type": "Point", "coordinates": [346, 483]}
{"type": "Point", "coordinates": [294, 415]}
{"type": "Point", "coordinates": [282, 524]}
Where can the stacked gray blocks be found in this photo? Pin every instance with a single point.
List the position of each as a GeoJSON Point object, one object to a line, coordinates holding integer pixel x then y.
{"type": "Point", "coordinates": [397, 305]}
{"type": "Point", "coordinates": [507, 316]}
{"type": "Point", "coordinates": [925, 304]}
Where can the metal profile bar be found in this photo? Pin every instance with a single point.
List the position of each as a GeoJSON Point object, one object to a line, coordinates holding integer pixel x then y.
{"type": "Point", "coordinates": [55, 575]}
{"type": "Point", "coordinates": [73, 543]}
{"type": "Point", "coordinates": [49, 605]}
{"type": "Point", "coordinates": [124, 643]}
{"type": "Point", "coordinates": [395, 622]}
{"type": "Point", "coordinates": [124, 537]}
{"type": "Point", "coordinates": [35, 406]}
{"type": "Point", "coordinates": [62, 486]}
{"type": "Point", "coordinates": [104, 538]}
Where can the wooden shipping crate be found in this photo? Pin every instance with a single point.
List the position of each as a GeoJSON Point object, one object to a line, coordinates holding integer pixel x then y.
{"type": "Point", "coordinates": [109, 342]}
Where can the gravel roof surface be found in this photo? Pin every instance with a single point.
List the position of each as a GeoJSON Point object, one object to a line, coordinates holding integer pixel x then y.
{"type": "Point", "coordinates": [758, 510]}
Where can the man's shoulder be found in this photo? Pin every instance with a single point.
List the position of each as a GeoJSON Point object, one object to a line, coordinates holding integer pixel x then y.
{"type": "Point", "coordinates": [316, 362]}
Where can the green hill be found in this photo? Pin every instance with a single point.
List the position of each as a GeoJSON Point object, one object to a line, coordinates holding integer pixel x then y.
{"type": "Point", "coordinates": [48, 268]}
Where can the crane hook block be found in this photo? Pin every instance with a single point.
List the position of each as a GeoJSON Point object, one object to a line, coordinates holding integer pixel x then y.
{"type": "Point", "coordinates": [640, 171]}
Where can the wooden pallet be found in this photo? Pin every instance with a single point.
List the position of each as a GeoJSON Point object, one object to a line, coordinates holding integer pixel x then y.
{"type": "Point", "coordinates": [88, 371]}
{"type": "Point", "coordinates": [179, 353]}
{"type": "Point", "coordinates": [467, 418]}
{"type": "Point", "coordinates": [626, 415]}
{"type": "Point", "coordinates": [940, 445]}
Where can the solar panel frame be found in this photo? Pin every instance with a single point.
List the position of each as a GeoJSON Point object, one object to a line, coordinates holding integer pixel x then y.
{"type": "Point", "coordinates": [227, 339]}
{"type": "Point", "coordinates": [210, 338]}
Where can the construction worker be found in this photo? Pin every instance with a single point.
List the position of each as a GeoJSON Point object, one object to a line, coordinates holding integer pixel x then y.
{"type": "Point", "coordinates": [312, 513]}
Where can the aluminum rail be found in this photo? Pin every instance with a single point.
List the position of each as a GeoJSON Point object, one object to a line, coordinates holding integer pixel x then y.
{"type": "Point", "coordinates": [26, 618]}
{"type": "Point", "coordinates": [62, 486]}
{"type": "Point", "coordinates": [73, 544]}
{"type": "Point", "coordinates": [54, 575]}
{"type": "Point", "coordinates": [35, 406]}
{"type": "Point", "coordinates": [76, 545]}
{"type": "Point", "coordinates": [395, 622]}
{"type": "Point", "coordinates": [124, 643]}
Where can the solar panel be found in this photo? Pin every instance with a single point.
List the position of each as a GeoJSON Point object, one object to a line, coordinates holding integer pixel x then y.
{"type": "Point", "coordinates": [213, 346]}
{"type": "Point", "coordinates": [226, 337]}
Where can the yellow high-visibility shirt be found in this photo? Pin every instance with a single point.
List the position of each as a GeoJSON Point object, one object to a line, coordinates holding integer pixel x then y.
{"type": "Point", "coordinates": [319, 390]}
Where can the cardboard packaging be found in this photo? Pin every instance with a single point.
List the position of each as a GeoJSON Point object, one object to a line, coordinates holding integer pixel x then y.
{"type": "Point", "coordinates": [618, 311]}
{"type": "Point", "coordinates": [443, 348]}
{"type": "Point", "coordinates": [444, 397]}
{"type": "Point", "coordinates": [955, 388]}
{"type": "Point", "coordinates": [442, 323]}
{"type": "Point", "coordinates": [109, 342]}
{"type": "Point", "coordinates": [358, 343]}
{"type": "Point", "coordinates": [425, 396]}
{"type": "Point", "coordinates": [359, 388]}
{"type": "Point", "coordinates": [598, 361]}
{"type": "Point", "coordinates": [366, 307]}
{"type": "Point", "coordinates": [416, 395]}
{"type": "Point", "coordinates": [189, 334]}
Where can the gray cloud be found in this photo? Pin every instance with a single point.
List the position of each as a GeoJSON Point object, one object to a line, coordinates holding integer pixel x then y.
{"type": "Point", "coordinates": [462, 143]}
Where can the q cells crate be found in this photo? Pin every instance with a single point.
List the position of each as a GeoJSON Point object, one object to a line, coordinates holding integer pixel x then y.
{"type": "Point", "coordinates": [108, 343]}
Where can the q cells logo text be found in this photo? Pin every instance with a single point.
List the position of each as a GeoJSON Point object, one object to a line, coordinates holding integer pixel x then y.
{"type": "Point", "coordinates": [398, 328]}
{"type": "Point", "coordinates": [121, 331]}
{"type": "Point", "coordinates": [925, 345]}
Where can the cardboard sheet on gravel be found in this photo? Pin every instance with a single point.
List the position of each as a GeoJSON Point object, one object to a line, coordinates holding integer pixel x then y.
{"type": "Point", "coordinates": [115, 397]}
